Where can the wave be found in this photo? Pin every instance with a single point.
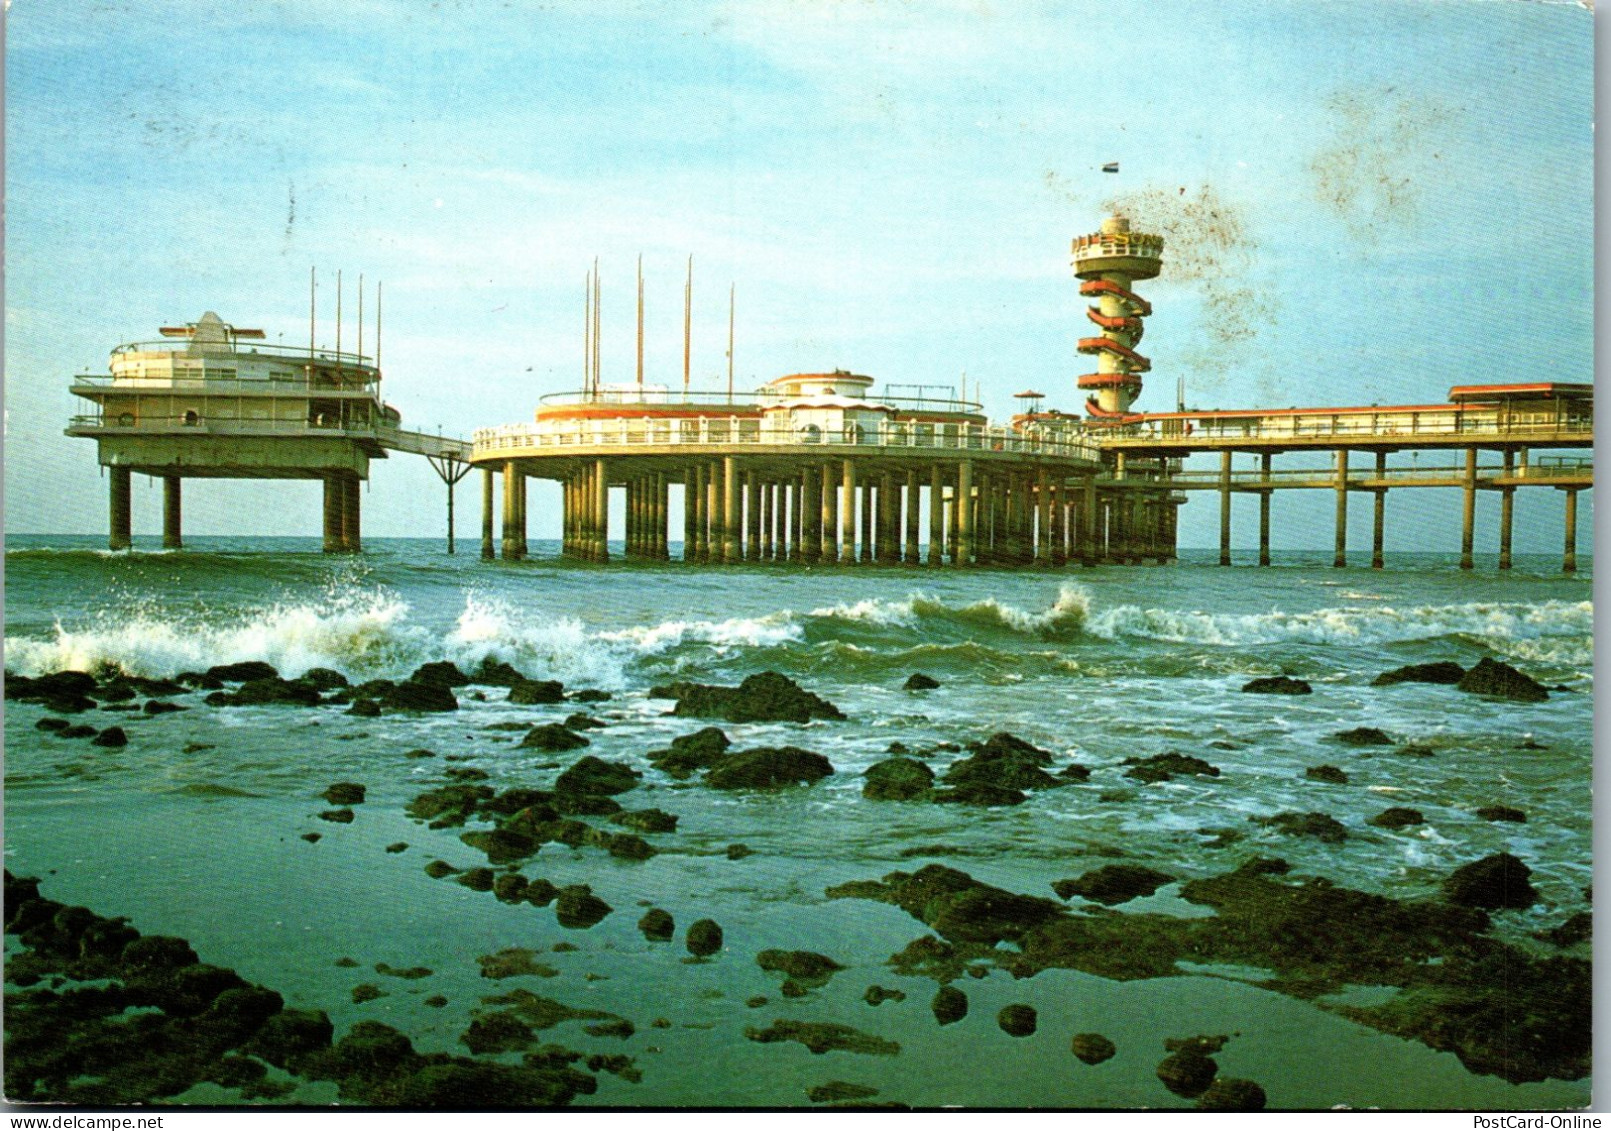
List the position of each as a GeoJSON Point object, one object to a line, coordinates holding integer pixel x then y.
{"type": "Point", "coordinates": [1064, 619]}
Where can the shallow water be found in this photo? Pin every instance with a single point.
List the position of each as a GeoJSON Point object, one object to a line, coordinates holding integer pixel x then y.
{"type": "Point", "coordinates": [1096, 665]}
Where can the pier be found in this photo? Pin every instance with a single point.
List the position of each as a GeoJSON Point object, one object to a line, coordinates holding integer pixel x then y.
{"type": "Point", "coordinates": [816, 468]}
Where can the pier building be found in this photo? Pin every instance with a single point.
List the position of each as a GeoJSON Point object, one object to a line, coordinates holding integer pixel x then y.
{"type": "Point", "coordinates": [818, 468]}
{"type": "Point", "coordinates": [212, 400]}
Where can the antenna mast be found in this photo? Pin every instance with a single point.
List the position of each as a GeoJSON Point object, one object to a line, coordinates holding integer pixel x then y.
{"type": "Point", "coordinates": [687, 323]}
{"type": "Point", "coordinates": [640, 325]}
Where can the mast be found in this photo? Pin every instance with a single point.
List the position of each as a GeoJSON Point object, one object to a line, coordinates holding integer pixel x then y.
{"type": "Point", "coordinates": [732, 290]}
{"type": "Point", "coordinates": [640, 325]}
{"type": "Point", "coordinates": [687, 324]}
{"type": "Point", "coordinates": [587, 332]}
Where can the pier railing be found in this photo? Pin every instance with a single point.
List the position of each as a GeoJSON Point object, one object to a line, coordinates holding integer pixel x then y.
{"type": "Point", "coordinates": [355, 382]}
{"type": "Point", "coordinates": [1545, 471]}
{"type": "Point", "coordinates": [1187, 429]}
{"type": "Point", "coordinates": [646, 432]}
{"type": "Point", "coordinates": [755, 400]}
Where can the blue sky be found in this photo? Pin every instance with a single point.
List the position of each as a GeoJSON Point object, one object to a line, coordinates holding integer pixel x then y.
{"type": "Point", "coordinates": [1404, 194]}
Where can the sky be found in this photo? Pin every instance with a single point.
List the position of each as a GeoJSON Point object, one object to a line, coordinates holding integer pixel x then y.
{"type": "Point", "coordinates": [1364, 203]}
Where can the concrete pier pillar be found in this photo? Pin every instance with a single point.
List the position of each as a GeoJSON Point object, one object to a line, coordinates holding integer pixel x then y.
{"type": "Point", "coordinates": [1378, 525]}
{"type": "Point", "coordinates": [1507, 512]}
{"type": "Point", "coordinates": [847, 514]}
{"type": "Point", "coordinates": [868, 502]}
{"type": "Point", "coordinates": [508, 542]}
{"type": "Point", "coordinates": [1056, 514]}
{"type": "Point", "coordinates": [488, 548]}
{"type": "Point", "coordinates": [1264, 509]}
{"type": "Point", "coordinates": [914, 518]}
{"type": "Point", "coordinates": [768, 544]}
{"type": "Point", "coordinates": [1043, 519]}
{"type": "Point", "coordinates": [352, 540]}
{"type": "Point", "coordinates": [964, 516]}
{"type": "Point", "coordinates": [1468, 511]}
{"type": "Point", "coordinates": [692, 491]}
{"type": "Point", "coordinates": [601, 511]}
{"type": "Point", "coordinates": [715, 509]}
{"type": "Point", "coordinates": [936, 515]}
{"type": "Point", "coordinates": [1340, 557]}
{"type": "Point", "coordinates": [751, 550]}
{"type": "Point", "coordinates": [953, 530]}
{"type": "Point", "coordinates": [1225, 508]}
{"type": "Point", "coordinates": [334, 500]}
{"type": "Point", "coordinates": [732, 512]}
{"type": "Point", "coordinates": [1090, 531]}
{"type": "Point", "coordinates": [120, 513]}
{"type": "Point", "coordinates": [1569, 562]}
{"type": "Point", "coordinates": [780, 520]}
{"type": "Point", "coordinates": [661, 547]}
{"type": "Point", "coordinates": [797, 525]}
{"type": "Point", "coordinates": [889, 520]}
{"type": "Point", "coordinates": [811, 515]}
{"type": "Point", "coordinates": [829, 499]}
{"type": "Point", "coordinates": [171, 522]}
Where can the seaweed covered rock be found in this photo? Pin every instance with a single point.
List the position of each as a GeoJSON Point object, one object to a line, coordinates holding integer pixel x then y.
{"type": "Point", "coordinates": [496, 673]}
{"type": "Point", "coordinates": [1277, 685]}
{"type": "Point", "coordinates": [949, 1006]}
{"type": "Point", "coordinates": [691, 752]}
{"type": "Point", "coordinates": [1501, 681]}
{"type": "Point", "coordinates": [1318, 825]}
{"type": "Point", "coordinates": [412, 696]}
{"type": "Point", "coordinates": [112, 737]}
{"type": "Point", "coordinates": [805, 967]}
{"type": "Point", "coordinates": [1331, 775]}
{"type": "Point", "coordinates": [979, 793]}
{"type": "Point", "coordinates": [1364, 736]}
{"type": "Point", "coordinates": [823, 1036]}
{"type": "Point", "coordinates": [1003, 762]}
{"type": "Point", "coordinates": [704, 938]}
{"type": "Point", "coordinates": [897, 779]}
{"type": "Point", "coordinates": [1496, 881]}
{"type": "Point", "coordinates": [344, 793]}
{"type": "Point", "coordinates": [1114, 884]}
{"type": "Point", "coordinates": [596, 776]}
{"type": "Point", "coordinates": [957, 906]}
{"type": "Point", "coordinates": [1443, 671]}
{"type": "Point", "coordinates": [917, 681]}
{"type": "Point", "coordinates": [536, 692]}
{"type": "Point", "coordinates": [238, 672]}
{"type": "Point", "coordinates": [760, 698]}
{"type": "Point", "coordinates": [1502, 813]}
{"type": "Point", "coordinates": [440, 673]}
{"type": "Point", "coordinates": [1163, 767]}
{"type": "Point", "coordinates": [1017, 1020]}
{"type": "Point", "coordinates": [1398, 817]}
{"type": "Point", "coordinates": [1227, 1093]}
{"type": "Point", "coordinates": [273, 690]}
{"type": "Point", "coordinates": [646, 820]}
{"type": "Point", "coordinates": [657, 925]}
{"type": "Point", "coordinates": [1092, 1048]}
{"type": "Point", "coordinates": [768, 767]}
{"type": "Point", "coordinates": [554, 737]}
{"type": "Point", "coordinates": [1188, 1072]}
{"type": "Point", "coordinates": [577, 908]}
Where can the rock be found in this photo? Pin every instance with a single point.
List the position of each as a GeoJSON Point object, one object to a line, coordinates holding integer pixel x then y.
{"type": "Point", "coordinates": [957, 906]}
{"type": "Point", "coordinates": [111, 736]}
{"type": "Point", "coordinates": [1017, 1020]}
{"type": "Point", "coordinates": [657, 925]}
{"type": "Point", "coordinates": [979, 793]}
{"type": "Point", "coordinates": [691, 752]}
{"type": "Point", "coordinates": [1188, 1072]}
{"type": "Point", "coordinates": [1496, 881]}
{"type": "Point", "coordinates": [323, 679]}
{"type": "Point", "coordinates": [897, 779]}
{"type": "Point", "coordinates": [265, 692]}
{"type": "Point", "coordinates": [1113, 884]}
{"type": "Point", "coordinates": [581, 722]}
{"type": "Point", "coordinates": [768, 767]}
{"type": "Point", "coordinates": [596, 776]}
{"type": "Point", "coordinates": [412, 696]}
{"type": "Point", "coordinates": [1163, 767]}
{"type": "Point", "coordinates": [514, 962]}
{"type": "Point", "coordinates": [1092, 1048]}
{"type": "Point", "coordinates": [917, 681]}
{"type": "Point", "coordinates": [552, 736]}
{"type": "Point", "coordinates": [441, 673]}
{"type": "Point", "coordinates": [1501, 681]}
{"type": "Point", "coordinates": [821, 1037]}
{"type": "Point", "coordinates": [477, 879]}
{"type": "Point", "coordinates": [162, 707]}
{"type": "Point", "coordinates": [49, 723]}
{"type": "Point", "coordinates": [1502, 813]}
{"type": "Point", "coordinates": [496, 673]}
{"type": "Point", "coordinates": [364, 709]}
{"type": "Point", "coordinates": [407, 973]}
{"type": "Point", "coordinates": [1364, 736]}
{"type": "Point", "coordinates": [344, 793]}
{"type": "Point", "coordinates": [1317, 825]}
{"type": "Point", "coordinates": [738, 851]}
{"type": "Point", "coordinates": [577, 908]}
{"type": "Point", "coordinates": [806, 967]}
{"type": "Point", "coordinates": [397, 846]}
{"type": "Point", "coordinates": [366, 991]}
{"type": "Point", "coordinates": [1277, 685]}
{"type": "Point", "coordinates": [1443, 671]}
{"type": "Point", "coordinates": [242, 672]}
{"type": "Point", "coordinates": [1579, 928]}
{"type": "Point", "coordinates": [878, 995]}
{"type": "Point", "coordinates": [838, 1091]}
{"type": "Point", "coordinates": [289, 1034]}
{"type": "Point", "coordinates": [949, 1005]}
{"type": "Point", "coordinates": [540, 893]}
{"type": "Point", "coordinates": [589, 695]}
{"type": "Point", "coordinates": [646, 820]}
{"type": "Point", "coordinates": [763, 697]}
{"type": "Point", "coordinates": [1397, 818]}
{"type": "Point", "coordinates": [337, 816]}
{"type": "Point", "coordinates": [536, 692]}
{"type": "Point", "coordinates": [1004, 762]}
{"type": "Point", "coordinates": [510, 887]}
{"type": "Point", "coordinates": [704, 938]}
{"type": "Point", "coordinates": [585, 804]}
{"type": "Point", "coordinates": [1230, 1094]}
{"type": "Point", "coordinates": [437, 869]}
{"type": "Point", "coordinates": [1329, 774]}
{"type": "Point", "coordinates": [313, 838]}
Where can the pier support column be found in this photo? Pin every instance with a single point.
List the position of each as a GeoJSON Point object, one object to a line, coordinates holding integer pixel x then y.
{"type": "Point", "coordinates": [768, 543]}
{"type": "Point", "coordinates": [171, 537]}
{"type": "Point", "coordinates": [352, 541]}
{"type": "Point", "coordinates": [914, 514]}
{"type": "Point", "coordinates": [1225, 508]}
{"type": "Point", "coordinates": [1507, 511]}
{"type": "Point", "coordinates": [751, 550]}
{"type": "Point", "coordinates": [1264, 509]}
{"type": "Point", "coordinates": [1378, 528]}
{"type": "Point", "coordinates": [1569, 562]}
{"type": "Point", "coordinates": [601, 511]}
{"type": "Point", "coordinates": [889, 520]}
{"type": "Point", "coordinates": [936, 515]}
{"type": "Point", "coordinates": [1056, 534]}
{"type": "Point", "coordinates": [1043, 533]}
{"type": "Point", "coordinates": [847, 516]}
{"type": "Point", "coordinates": [508, 542]}
{"type": "Point", "coordinates": [828, 499]}
{"type": "Point", "coordinates": [1340, 558]}
{"type": "Point", "coordinates": [488, 548]}
{"type": "Point", "coordinates": [797, 521]}
{"type": "Point", "coordinates": [120, 515]}
{"type": "Point", "coordinates": [334, 500]}
{"type": "Point", "coordinates": [1468, 511]}
{"type": "Point", "coordinates": [868, 513]}
{"type": "Point", "coordinates": [732, 516]}
{"type": "Point", "coordinates": [1089, 543]}
{"type": "Point", "coordinates": [714, 510]}
{"type": "Point", "coordinates": [690, 514]}
{"type": "Point", "coordinates": [662, 517]}
{"type": "Point", "coordinates": [964, 514]}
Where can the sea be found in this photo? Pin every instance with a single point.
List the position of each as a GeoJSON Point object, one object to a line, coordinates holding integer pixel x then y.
{"type": "Point", "coordinates": [196, 827]}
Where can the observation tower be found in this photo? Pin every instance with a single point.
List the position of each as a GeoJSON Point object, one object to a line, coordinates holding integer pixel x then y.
{"type": "Point", "coordinates": [1107, 263]}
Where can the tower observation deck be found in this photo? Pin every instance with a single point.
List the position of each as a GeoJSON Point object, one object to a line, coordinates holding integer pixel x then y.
{"type": "Point", "coordinates": [1108, 263]}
